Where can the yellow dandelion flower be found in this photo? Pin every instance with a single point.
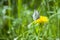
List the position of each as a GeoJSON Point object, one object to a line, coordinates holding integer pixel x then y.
{"type": "Point", "coordinates": [42, 19]}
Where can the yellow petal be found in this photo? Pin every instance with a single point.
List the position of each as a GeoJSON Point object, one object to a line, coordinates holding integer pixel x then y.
{"type": "Point", "coordinates": [42, 19]}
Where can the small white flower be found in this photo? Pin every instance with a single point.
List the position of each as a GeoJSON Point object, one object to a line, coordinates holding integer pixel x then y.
{"type": "Point", "coordinates": [15, 38]}
{"type": "Point", "coordinates": [57, 38]}
{"type": "Point", "coordinates": [4, 11]}
{"type": "Point", "coordinates": [8, 32]}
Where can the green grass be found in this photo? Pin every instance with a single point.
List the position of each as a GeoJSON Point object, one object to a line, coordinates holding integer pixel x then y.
{"type": "Point", "coordinates": [19, 18]}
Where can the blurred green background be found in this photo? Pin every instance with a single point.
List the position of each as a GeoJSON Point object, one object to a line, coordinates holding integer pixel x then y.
{"type": "Point", "coordinates": [16, 15]}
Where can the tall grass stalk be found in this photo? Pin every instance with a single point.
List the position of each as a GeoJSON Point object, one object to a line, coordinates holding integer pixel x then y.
{"type": "Point", "coordinates": [9, 11]}
{"type": "Point", "coordinates": [19, 7]}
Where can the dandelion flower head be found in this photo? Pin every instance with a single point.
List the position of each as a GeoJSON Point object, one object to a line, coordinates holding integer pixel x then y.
{"type": "Point", "coordinates": [42, 19]}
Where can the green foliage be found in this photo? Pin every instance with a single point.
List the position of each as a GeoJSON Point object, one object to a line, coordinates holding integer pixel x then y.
{"type": "Point", "coordinates": [17, 22]}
